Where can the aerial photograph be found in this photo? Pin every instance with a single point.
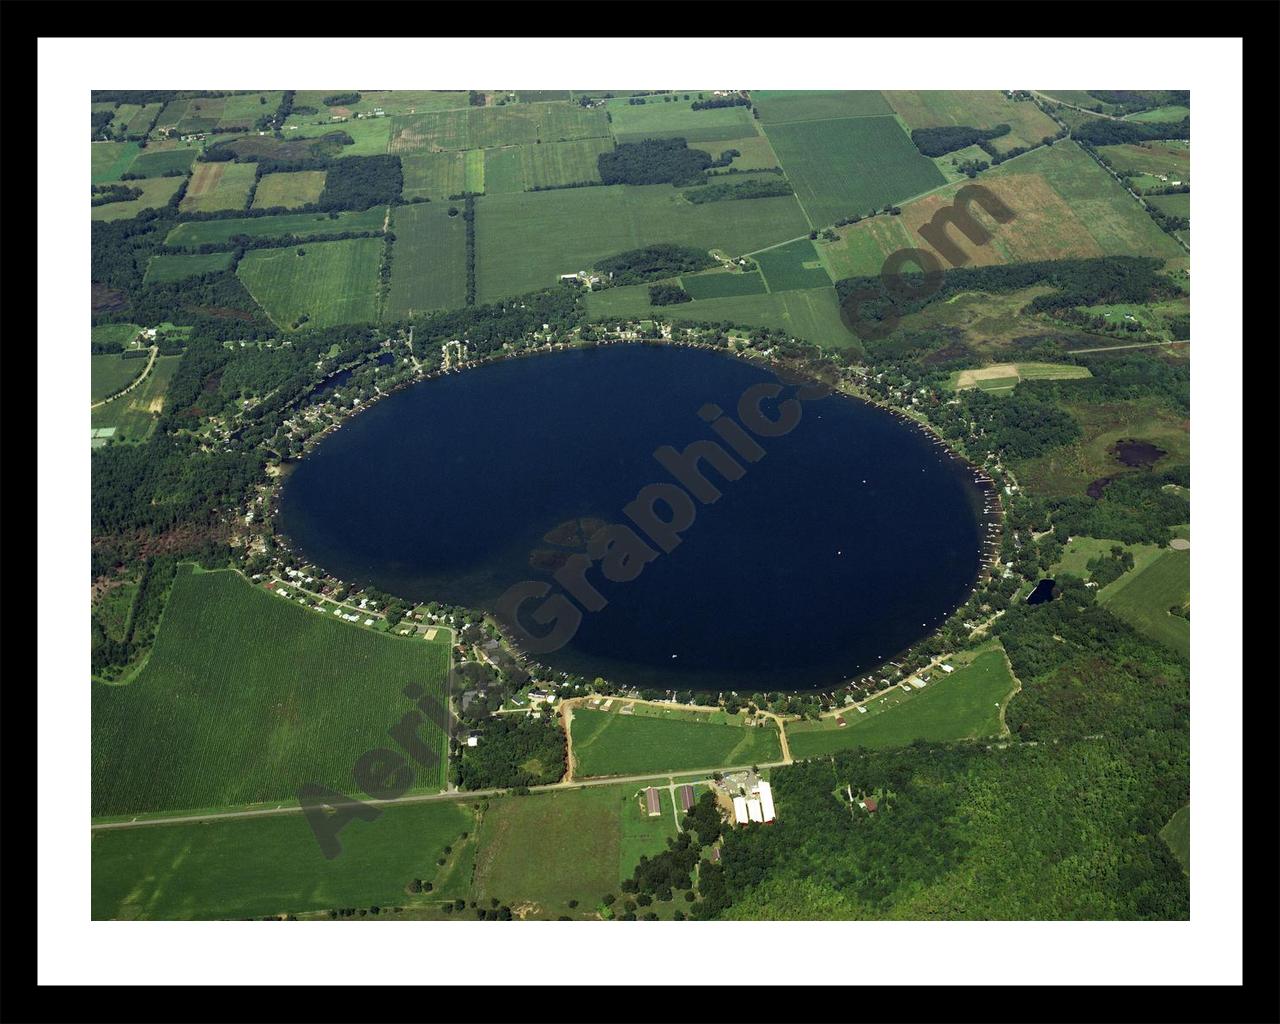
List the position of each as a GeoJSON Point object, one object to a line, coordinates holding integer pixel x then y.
{"type": "Point", "coordinates": [616, 505]}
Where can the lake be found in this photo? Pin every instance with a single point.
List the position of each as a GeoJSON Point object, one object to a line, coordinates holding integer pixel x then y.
{"type": "Point", "coordinates": [851, 538]}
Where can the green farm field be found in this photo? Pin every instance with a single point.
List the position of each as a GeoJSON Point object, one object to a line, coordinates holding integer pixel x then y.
{"type": "Point", "coordinates": [331, 283]}
{"type": "Point", "coordinates": [166, 267]}
{"type": "Point", "coordinates": [109, 160]}
{"type": "Point", "coordinates": [813, 315]}
{"type": "Point", "coordinates": [252, 867]}
{"type": "Point", "coordinates": [246, 696]}
{"type": "Point", "coordinates": [134, 415]}
{"type": "Point", "coordinates": [974, 109]}
{"type": "Point", "coordinates": [397, 101]}
{"type": "Point", "coordinates": [1143, 597]}
{"type": "Point", "coordinates": [220, 185]}
{"type": "Point", "coordinates": [961, 706]}
{"type": "Point", "coordinates": [157, 164]}
{"type": "Point", "coordinates": [428, 266]}
{"type": "Point", "coordinates": [296, 225]}
{"type": "Point", "coordinates": [779, 106]}
{"type": "Point", "coordinates": [1167, 114]}
{"type": "Point", "coordinates": [1176, 205]}
{"type": "Point", "coordinates": [1172, 158]}
{"type": "Point", "coordinates": [108, 374]}
{"type": "Point", "coordinates": [851, 165]}
{"type": "Point", "coordinates": [437, 176]}
{"type": "Point", "coordinates": [370, 136]}
{"type": "Point", "coordinates": [719, 284]}
{"type": "Point", "coordinates": [288, 189]}
{"type": "Point", "coordinates": [485, 127]}
{"type": "Point", "coordinates": [792, 267]}
{"type": "Point", "coordinates": [658, 119]}
{"type": "Point", "coordinates": [525, 241]}
{"type": "Point", "coordinates": [608, 743]}
{"type": "Point", "coordinates": [244, 110]}
{"type": "Point", "coordinates": [156, 192]}
{"type": "Point", "coordinates": [754, 153]}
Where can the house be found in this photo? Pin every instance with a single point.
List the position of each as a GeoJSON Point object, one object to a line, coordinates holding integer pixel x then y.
{"type": "Point", "coordinates": [653, 802]}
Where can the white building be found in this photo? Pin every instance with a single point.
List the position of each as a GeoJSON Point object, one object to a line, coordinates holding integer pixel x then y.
{"type": "Point", "coordinates": [740, 809]}
{"type": "Point", "coordinates": [766, 801]}
{"type": "Point", "coordinates": [753, 809]}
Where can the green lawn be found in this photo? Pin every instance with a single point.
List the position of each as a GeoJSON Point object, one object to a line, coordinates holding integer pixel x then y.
{"type": "Point", "coordinates": [1143, 597]}
{"type": "Point", "coordinates": [246, 696]}
{"type": "Point", "coordinates": [166, 267]}
{"type": "Point", "coordinates": [962, 705]}
{"type": "Point", "coordinates": [259, 866]}
{"type": "Point", "coordinates": [108, 374]}
{"type": "Point", "coordinates": [852, 165]}
{"type": "Point", "coordinates": [330, 283]}
{"type": "Point", "coordinates": [525, 241]}
{"type": "Point", "coordinates": [608, 743]}
{"type": "Point", "coordinates": [297, 225]}
{"type": "Point", "coordinates": [428, 268]}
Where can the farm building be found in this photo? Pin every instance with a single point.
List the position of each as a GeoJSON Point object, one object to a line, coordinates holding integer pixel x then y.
{"type": "Point", "coordinates": [869, 805]}
{"type": "Point", "coordinates": [653, 802]}
{"type": "Point", "coordinates": [740, 810]}
{"type": "Point", "coordinates": [766, 801]}
{"type": "Point", "coordinates": [686, 797]}
{"type": "Point", "coordinates": [753, 809]}
{"type": "Point", "coordinates": [948, 669]}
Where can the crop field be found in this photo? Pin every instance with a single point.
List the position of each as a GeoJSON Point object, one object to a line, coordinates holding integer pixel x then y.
{"type": "Point", "coordinates": [658, 119]}
{"type": "Point", "coordinates": [1178, 204]}
{"type": "Point", "coordinates": [504, 170]}
{"type": "Point", "coordinates": [962, 379]}
{"type": "Point", "coordinates": [297, 225]}
{"type": "Point", "coordinates": [109, 373]}
{"type": "Point", "coordinates": [245, 110]}
{"type": "Point", "coordinates": [851, 165]}
{"type": "Point", "coordinates": [202, 114]}
{"type": "Point", "coordinates": [171, 114]}
{"type": "Point", "coordinates": [607, 743]}
{"type": "Point", "coordinates": [861, 249]}
{"type": "Point", "coordinates": [1177, 836]}
{"type": "Point", "coordinates": [974, 109]}
{"type": "Point", "coordinates": [288, 189]}
{"type": "Point", "coordinates": [1143, 597]}
{"type": "Point", "coordinates": [777, 106]}
{"type": "Point", "coordinates": [398, 101]}
{"type": "Point", "coordinates": [525, 241]}
{"type": "Point", "coordinates": [155, 165]}
{"type": "Point", "coordinates": [792, 267]}
{"type": "Point", "coordinates": [428, 266]}
{"type": "Point", "coordinates": [1172, 158]}
{"type": "Point", "coordinates": [247, 696]}
{"type": "Point", "coordinates": [155, 192]}
{"type": "Point", "coordinates": [253, 867]}
{"type": "Point", "coordinates": [122, 115]}
{"type": "Point", "coordinates": [961, 706]}
{"type": "Point", "coordinates": [485, 127]}
{"type": "Point", "coordinates": [755, 153]}
{"type": "Point", "coordinates": [143, 118]}
{"type": "Point", "coordinates": [813, 314]}
{"type": "Point", "coordinates": [438, 175]}
{"type": "Point", "coordinates": [331, 283]}
{"type": "Point", "coordinates": [1069, 469]}
{"type": "Point", "coordinates": [719, 284]}
{"type": "Point", "coordinates": [165, 267]}
{"type": "Point", "coordinates": [562, 163]}
{"type": "Point", "coordinates": [221, 185]}
{"type": "Point", "coordinates": [550, 848]}
{"type": "Point", "coordinates": [109, 160]}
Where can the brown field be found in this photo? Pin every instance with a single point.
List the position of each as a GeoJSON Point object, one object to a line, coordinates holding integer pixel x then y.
{"type": "Point", "coordinates": [976, 109]}
{"type": "Point", "coordinates": [204, 180]}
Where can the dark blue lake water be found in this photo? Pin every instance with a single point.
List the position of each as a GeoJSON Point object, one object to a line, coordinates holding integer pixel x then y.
{"type": "Point", "coordinates": [854, 536]}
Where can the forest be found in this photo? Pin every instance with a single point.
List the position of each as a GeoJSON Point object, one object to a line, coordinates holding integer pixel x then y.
{"type": "Point", "coordinates": [653, 263]}
{"type": "Point", "coordinates": [778, 186]}
{"type": "Point", "coordinates": [514, 751]}
{"type": "Point", "coordinates": [948, 138]}
{"type": "Point", "coordinates": [656, 162]}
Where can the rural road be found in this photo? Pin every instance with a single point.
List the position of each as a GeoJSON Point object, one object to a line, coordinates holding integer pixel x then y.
{"type": "Point", "coordinates": [1138, 344]}
{"type": "Point", "coordinates": [155, 350]}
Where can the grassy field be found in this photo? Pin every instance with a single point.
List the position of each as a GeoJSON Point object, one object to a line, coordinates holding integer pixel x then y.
{"type": "Point", "coordinates": [525, 241]}
{"type": "Point", "coordinates": [792, 267]}
{"type": "Point", "coordinates": [562, 163]}
{"type": "Point", "coordinates": [962, 705]}
{"type": "Point", "coordinates": [975, 109]}
{"type": "Point", "coordinates": [134, 415]}
{"type": "Point", "coordinates": [428, 268]}
{"type": "Point", "coordinates": [288, 189]}
{"type": "Point", "coordinates": [547, 849]}
{"type": "Point", "coordinates": [658, 119]}
{"type": "Point", "coordinates": [331, 283]}
{"type": "Point", "coordinates": [122, 333]}
{"type": "Point", "coordinates": [244, 110]}
{"type": "Point", "coordinates": [607, 743]}
{"type": "Point", "coordinates": [246, 696]}
{"type": "Point", "coordinates": [485, 127]}
{"type": "Point", "coordinates": [1143, 597]}
{"type": "Point", "coordinates": [754, 152]}
{"type": "Point", "coordinates": [852, 165]}
{"type": "Point", "coordinates": [436, 175]}
{"type": "Point", "coordinates": [1172, 158]}
{"type": "Point", "coordinates": [259, 866]}
{"type": "Point", "coordinates": [297, 225]}
{"type": "Point", "coordinates": [157, 164]}
{"type": "Point", "coordinates": [108, 374]}
{"type": "Point", "coordinates": [1177, 835]}
{"type": "Point", "coordinates": [221, 185]}
{"type": "Point", "coordinates": [504, 169]}
{"type": "Point", "coordinates": [719, 284]}
{"type": "Point", "coordinates": [1178, 204]}
{"type": "Point", "coordinates": [397, 101]}
{"type": "Point", "coordinates": [985, 377]}
{"type": "Point", "coordinates": [783, 105]}
{"type": "Point", "coordinates": [370, 136]}
{"type": "Point", "coordinates": [813, 315]}
{"type": "Point", "coordinates": [155, 192]}
{"type": "Point", "coordinates": [174, 268]}
{"type": "Point", "coordinates": [202, 114]}
{"type": "Point", "coordinates": [1171, 113]}
{"type": "Point", "coordinates": [1079, 551]}
{"type": "Point", "coordinates": [109, 160]}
